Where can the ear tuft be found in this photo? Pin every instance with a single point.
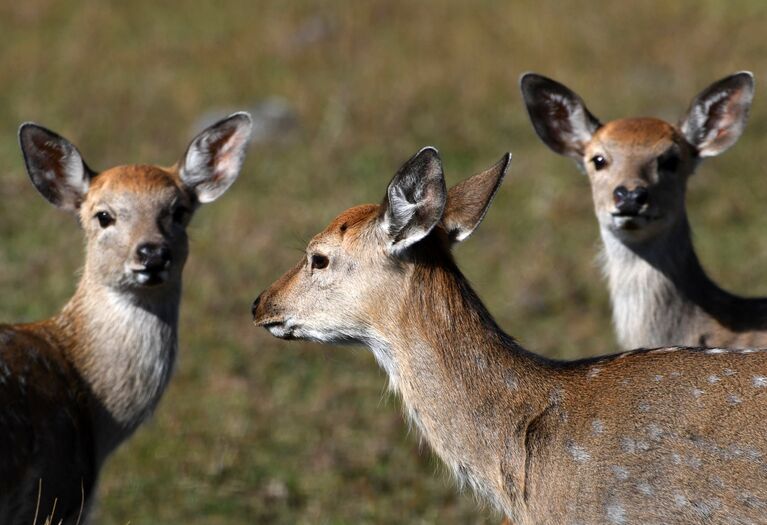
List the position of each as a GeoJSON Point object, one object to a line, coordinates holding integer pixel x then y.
{"type": "Point", "coordinates": [718, 115]}
{"type": "Point", "coordinates": [214, 158]}
{"type": "Point", "coordinates": [559, 116]}
{"type": "Point", "coordinates": [414, 200]}
{"type": "Point", "coordinates": [469, 200]}
{"type": "Point", "coordinates": [55, 166]}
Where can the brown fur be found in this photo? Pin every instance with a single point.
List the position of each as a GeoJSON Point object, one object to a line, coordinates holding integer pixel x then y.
{"type": "Point", "coordinates": [673, 436]}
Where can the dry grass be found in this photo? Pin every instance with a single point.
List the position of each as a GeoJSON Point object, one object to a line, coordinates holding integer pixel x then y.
{"type": "Point", "coordinates": [255, 430]}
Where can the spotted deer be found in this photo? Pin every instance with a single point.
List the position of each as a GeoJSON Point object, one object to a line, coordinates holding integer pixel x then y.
{"type": "Point", "coordinates": [75, 386]}
{"type": "Point", "coordinates": [673, 435]}
{"type": "Point", "coordinates": [638, 168]}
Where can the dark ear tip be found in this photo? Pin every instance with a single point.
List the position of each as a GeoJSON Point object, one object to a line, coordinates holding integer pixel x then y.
{"type": "Point", "coordinates": [746, 77]}
{"type": "Point", "coordinates": [243, 116]}
{"type": "Point", "coordinates": [530, 81]}
{"type": "Point", "coordinates": [527, 77]}
{"type": "Point", "coordinates": [29, 127]}
{"type": "Point", "coordinates": [428, 153]}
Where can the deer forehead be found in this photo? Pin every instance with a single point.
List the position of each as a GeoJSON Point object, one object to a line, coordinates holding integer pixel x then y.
{"type": "Point", "coordinates": [351, 225]}
{"type": "Point", "coordinates": [635, 137]}
{"type": "Point", "coordinates": [137, 186]}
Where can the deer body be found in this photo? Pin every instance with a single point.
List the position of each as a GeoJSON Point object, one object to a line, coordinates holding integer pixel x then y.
{"type": "Point", "coordinates": [638, 169]}
{"type": "Point", "coordinates": [673, 435]}
{"type": "Point", "coordinates": [75, 386]}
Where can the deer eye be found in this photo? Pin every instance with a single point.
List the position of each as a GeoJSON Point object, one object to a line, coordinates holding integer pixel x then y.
{"type": "Point", "coordinates": [668, 162]}
{"type": "Point", "coordinates": [105, 219]}
{"type": "Point", "coordinates": [180, 214]}
{"type": "Point", "coordinates": [319, 261]}
{"type": "Point", "coordinates": [599, 162]}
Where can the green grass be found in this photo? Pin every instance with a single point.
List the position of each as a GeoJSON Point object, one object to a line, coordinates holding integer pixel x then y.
{"type": "Point", "coordinates": [256, 430]}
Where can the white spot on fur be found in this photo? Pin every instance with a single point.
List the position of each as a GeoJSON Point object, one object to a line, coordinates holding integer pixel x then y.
{"type": "Point", "coordinates": [632, 446]}
{"type": "Point", "coordinates": [734, 399]}
{"type": "Point", "coordinates": [555, 396]}
{"type": "Point", "coordinates": [594, 372]}
{"type": "Point", "coordinates": [645, 488]}
{"type": "Point", "coordinates": [697, 392]}
{"type": "Point", "coordinates": [654, 431]}
{"type": "Point", "coordinates": [620, 472]}
{"type": "Point", "coordinates": [680, 500]}
{"type": "Point", "coordinates": [578, 453]}
{"type": "Point", "coordinates": [717, 482]}
{"type": "Point", "coordinates": [715, 351]}
{"type": "Point", "coordinates": [713, 379]}
{"type": "Point", "coordinates": [658, 377]}
{"type": "Point", "coordinates": [597, 427]}
{"type": "Point", "coordinates": [759, 381]}
{"type": "Point", "coordinates": [616, 513]}
{"type": "Point", "coordinates": [729, 372]}
{"type": "Point", "coordinates": [511, 380]}
{"type": "Point", "coordinates": [693, 462]}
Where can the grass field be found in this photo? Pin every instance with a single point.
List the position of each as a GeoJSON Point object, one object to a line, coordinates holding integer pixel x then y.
{"type": "Point", "coordinates": [257, 430]}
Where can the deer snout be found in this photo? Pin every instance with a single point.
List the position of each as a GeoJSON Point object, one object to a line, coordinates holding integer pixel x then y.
{"type": "Point", "coordinates": [264, 314]}
{"type": "Point", "coordinates": [630, 202]}
{"type": "Point", "coordinates": [154, 256]}
{"type": "Point", "coordinates": [254, 306]}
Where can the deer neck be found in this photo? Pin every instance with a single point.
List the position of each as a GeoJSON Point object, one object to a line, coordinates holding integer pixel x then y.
{"type": "Point", "coordinates": [460, 378]}
{"type": "Point", "coordinates": [659, 291]}
{"type": "Point", "coordinates": [123, 344]}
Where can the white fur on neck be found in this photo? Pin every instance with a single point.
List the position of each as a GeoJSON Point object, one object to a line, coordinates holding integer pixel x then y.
{"type": "Point", "coordinates": [648, 309]}
{"type": "Point", "coordinates": [127, 355]}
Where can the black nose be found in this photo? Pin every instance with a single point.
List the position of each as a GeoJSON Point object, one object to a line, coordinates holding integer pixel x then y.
{"type": "Point", "coordinates": [254, 307]}
{"type": "Point", "coordinates": [153, 255]}
{"type": "Point", "coordinates": [630, 201]}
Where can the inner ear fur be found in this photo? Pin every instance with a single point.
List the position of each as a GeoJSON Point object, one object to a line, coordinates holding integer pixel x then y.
{"type": "Point", "coordinates": [469, 200]}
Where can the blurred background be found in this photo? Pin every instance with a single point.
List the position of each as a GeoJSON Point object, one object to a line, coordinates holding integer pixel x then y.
{"type": "Point", "coordinates": [258, 430]}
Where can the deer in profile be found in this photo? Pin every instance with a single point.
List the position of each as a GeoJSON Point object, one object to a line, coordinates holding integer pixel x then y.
{"type": "Point", "coordinates": [75, 386]}
{"type": "Point", "coordinates": [673, 435]}
{"type": "Point", "coordinates": [638, 168]}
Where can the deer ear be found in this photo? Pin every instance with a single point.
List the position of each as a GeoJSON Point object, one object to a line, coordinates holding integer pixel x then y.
{"type": "Point", "coordinates": [469, 200]}
{"type": "Point", "coordinates": [213, 160]}
{"type": "Point", "coordinates": [559, 116]}
{"type": "Point", "coordinates": [718, 115]}
{"type": "Point", "coordinates": [55, 166]}
{"type": "Point", "coordinates": [414, 201]}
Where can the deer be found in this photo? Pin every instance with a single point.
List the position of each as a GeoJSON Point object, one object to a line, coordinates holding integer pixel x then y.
{"type": "Point", "coordinates": [75, 386]}
{"type": "Point", "coordinates": [638, 169]}
{"type": "Point", "coordinates": [670, 435]}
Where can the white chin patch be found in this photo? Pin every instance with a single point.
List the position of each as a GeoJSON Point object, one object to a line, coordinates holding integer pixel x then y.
{"type": "Point", "coordinates": [629, 222]}
{"type": "Point", "coordinates": [146, 278]}
{"type": "Point", "coordinates": [279, 330]}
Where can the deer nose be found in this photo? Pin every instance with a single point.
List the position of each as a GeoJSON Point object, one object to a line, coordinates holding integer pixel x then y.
{"type": "Point", "coordinates": [254, 307]}
{"type": "Point", "coordinates": [630, 201]}
{"type": "Point", "coordinates": [153, 255]}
